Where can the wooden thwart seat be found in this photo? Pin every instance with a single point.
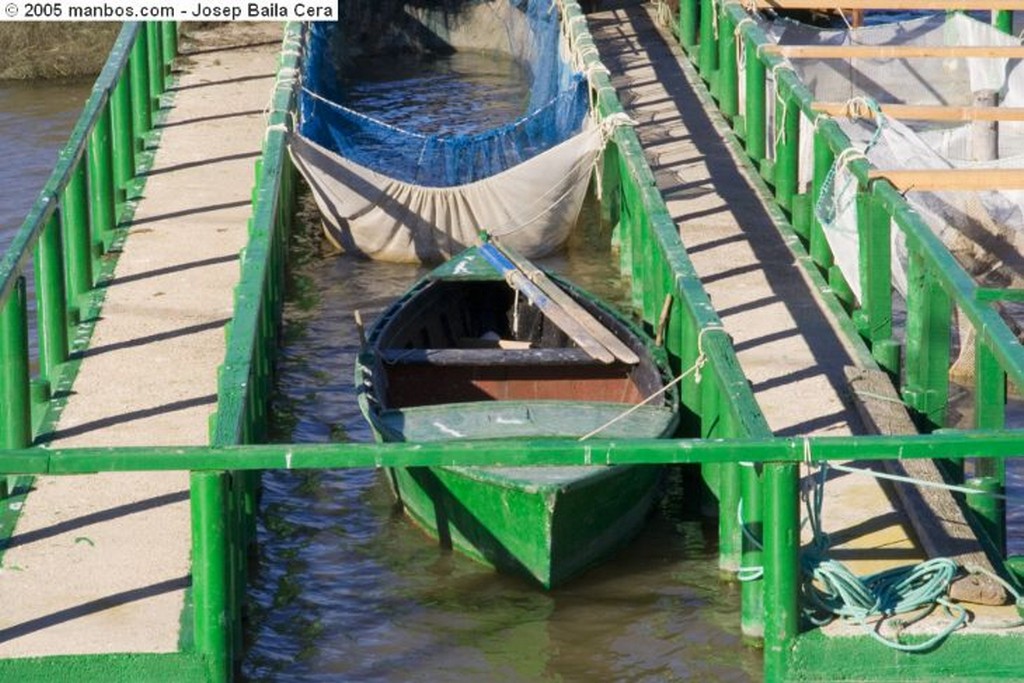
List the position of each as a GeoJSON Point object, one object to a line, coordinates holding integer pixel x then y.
{"type": "Point", "coordinates": [488, 357]}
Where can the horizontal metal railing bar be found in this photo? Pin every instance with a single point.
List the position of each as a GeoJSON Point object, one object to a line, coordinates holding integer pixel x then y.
{"type": "Point", "coordinates": [18, 253]}
{"type": "Point", "coordinates": [991, 443]}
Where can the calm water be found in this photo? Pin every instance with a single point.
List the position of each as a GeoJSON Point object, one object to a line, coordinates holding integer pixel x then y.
{"type": "Point", "coordinates": [35, 121]}
{"type": "Point", "coordinates": [346, 588]}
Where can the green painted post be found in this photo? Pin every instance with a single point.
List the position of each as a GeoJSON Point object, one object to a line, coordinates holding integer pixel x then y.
{"type": "Point", "coordinates": [211, 572]}
{"type": "Point", "coordinates": [169, 42]}
{"type": "Point", "coordinates": [989, 511]}
{"type": "Point", "coordinates": [142, 114]}
{"type": "Point", "coordinates": [154, 60]}
{"type": "Point", "coordinates": [688, 25]}
{"type": "Point", "coordinates": [15, 406]}
{"type": "Point", "coordinates": [50, 295]}
{"type": "Point", "coordinates": [781, 567]}
{"type": "Point", "coordinates": [1003, 20]}
{"type": "Point", "coordinates": [752, 590]}
{"type": "Point", "coordinates": [875, 316]}
{"type": "Point", "coordinates": [75, 222]}
{"type": "Point", "coordinates": [728, 70]}
{"type": "Point", "coordinates": [707, 53]}
{"type": "Point", "coordinates": [101, 183]}
{"type": "Point", "coordinates": [820, 252]}
{"type": "Point", "coordinates": [787, 149]}
{"type": "Point", "coordinates": [121, 129]}
{"type": "Point", "coordinates": [755, 106]}
{"type": "Point", "coordinates": [989, 406]}
{"type": "Point", "coordinates": [929, 311]}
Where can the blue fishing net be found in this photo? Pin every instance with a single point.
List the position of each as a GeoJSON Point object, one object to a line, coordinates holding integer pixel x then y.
{"type": "Point", "coordinates": [558, 104]}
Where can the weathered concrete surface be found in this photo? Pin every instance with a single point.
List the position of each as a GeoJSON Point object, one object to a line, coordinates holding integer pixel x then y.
{"type": "Point", "coordinates": [101, 563]}
{"type": "Point", "coordinates": [786, 343]}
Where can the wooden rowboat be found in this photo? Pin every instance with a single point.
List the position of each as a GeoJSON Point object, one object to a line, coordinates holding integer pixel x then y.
{"type": "Point", "coordinates": [488, 347]}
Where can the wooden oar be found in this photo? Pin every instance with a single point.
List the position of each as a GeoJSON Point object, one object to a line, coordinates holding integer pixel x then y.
{"type": "Point", "coordinates": [554, 312]}
{"type": "Point", "coordinates": [558, 295]}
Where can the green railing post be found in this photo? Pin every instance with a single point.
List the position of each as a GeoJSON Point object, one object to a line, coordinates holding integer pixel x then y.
{"type": "Point", "coordinates": [752, 526]}
{"type": "Point", "coordinates": [781, 567]}
{"type": "Point", "coordinates": [820, 252]}
{"type": "Point", "coordinates": [755, 111]}
{"type": "Point", "coordinates": [707, 53]}
{"type": "Point", "coordinates": [51, 308]}
{"type": "Point", "coordinates": [688, 25]}
{"type": "Point", "coordinates": [155, 62]}
{"type": "Point", "coordinates": [874, 319]}
{"type": "Point", "coordinates": [211, 572]}
{"type": "Point", "coordinates": [989, 510]}
{"type": "Point", "coordinates": [142, 111]}
{"type": "Point", "coordinates": [101, 183]}
{"type": "Point", "coordinates": [1003, 20]}
{"type": "Point", "coordinates": [123, 144]}
{"type": "Point", "coordinates": [929, 311]}
{"type": "Point", "coordinates": [15, 405]}
{"type": "Point", "coordinates": [787, 147]}
{"type": "Point", "coordinates": [989, 406]}
{"type": "Point", "coordinates": [728, 70]}
{"type": "Point", "coordinates": [77, 249]}
{"type": "Point", "coordinates": [169, 41]}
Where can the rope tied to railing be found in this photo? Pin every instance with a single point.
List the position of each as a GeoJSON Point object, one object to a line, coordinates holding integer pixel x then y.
{"type": "Point", "coordinates": [780, 117]}
{"type": "Point", "coordinates": [694, 370]}
{"type": "Point", "coordinates": [826, 208]}
{"type": "Point", "coordinates": [741, 51]}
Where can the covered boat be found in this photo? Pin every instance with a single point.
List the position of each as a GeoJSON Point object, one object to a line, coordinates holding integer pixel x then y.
{"type": "Point", "coordinates": [391, 191]}
{"type": "Point", "coordinates": [487, 347]}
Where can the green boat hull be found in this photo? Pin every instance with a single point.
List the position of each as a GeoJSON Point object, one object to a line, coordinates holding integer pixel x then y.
{"type": "Point", "coordinates": [434, 369]}
{"type": "Point", "coordinates": [521, 522]}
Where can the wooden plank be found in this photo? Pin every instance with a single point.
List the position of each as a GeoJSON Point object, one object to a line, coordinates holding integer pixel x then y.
{"type": "Point", "coordinates": [554, 312]}
{"type": "Point", "coordinates": [556, 294]}
{"type": "Point", "coordinates": [937, 518]}
{"type": "Point", "coordinates": [894, 51]}
{"type": "Point", "coordinates": [489, 357]}
{"type": "Point", "coordinates": [938, 5]}
{"type": "Point", "coordinates": [973, 179]}
{"type": "Point", "coordinates": [921, 112]}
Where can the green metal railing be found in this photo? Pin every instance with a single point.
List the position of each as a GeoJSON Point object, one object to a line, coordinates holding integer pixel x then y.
{"type": "Point", "coordinates": [717, 399]}
{"type": "Point", "coordinates": [723, 423]}
{"type": "Point", "coordinates": [716, 36]}
{"type": "Point", "coordinates": [72, 225]}
{"type": "Point", "coordinates": [224, 503]}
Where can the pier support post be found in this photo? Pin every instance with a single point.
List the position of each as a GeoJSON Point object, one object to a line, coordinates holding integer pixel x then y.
{"type": "Point", "coordinates": [752, 586]}
{"type": "Point", "coordinates": [781, 568]}
{"type": "Point", "coordinates": [211, 572]}
{"type": "Point", "coordinates": [688, 25]}
{"type": "Point", "coordinates": [820, 252]}
{"type": "Point", "coordinates": [874, 318]}
{"type": "Point", "coordinates": [989, 511]}
{"type": "Point", "coordinates": [787, 147]}
{"type": "Point", "coordinates": [728, 70]}
{"type": "Point", "coordinates": [155, 62]}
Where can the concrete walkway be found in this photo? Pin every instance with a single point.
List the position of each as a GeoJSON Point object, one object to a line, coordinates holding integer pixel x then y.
{"type": "Point", "coordinates": [787, 344]}
{"type": "Point", "coordinates": [101, 563]}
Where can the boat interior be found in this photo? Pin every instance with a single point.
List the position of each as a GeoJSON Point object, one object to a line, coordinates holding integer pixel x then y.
{"type": "Point", "coordinates": [479, 341]}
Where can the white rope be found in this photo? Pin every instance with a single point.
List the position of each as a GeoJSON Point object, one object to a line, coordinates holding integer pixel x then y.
{"type": "Point", "coordinates": [916, 482]}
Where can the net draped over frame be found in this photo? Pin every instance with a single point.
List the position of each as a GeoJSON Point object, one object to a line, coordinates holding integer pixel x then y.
{"type": "Point", "coordinates": [399, 195]}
